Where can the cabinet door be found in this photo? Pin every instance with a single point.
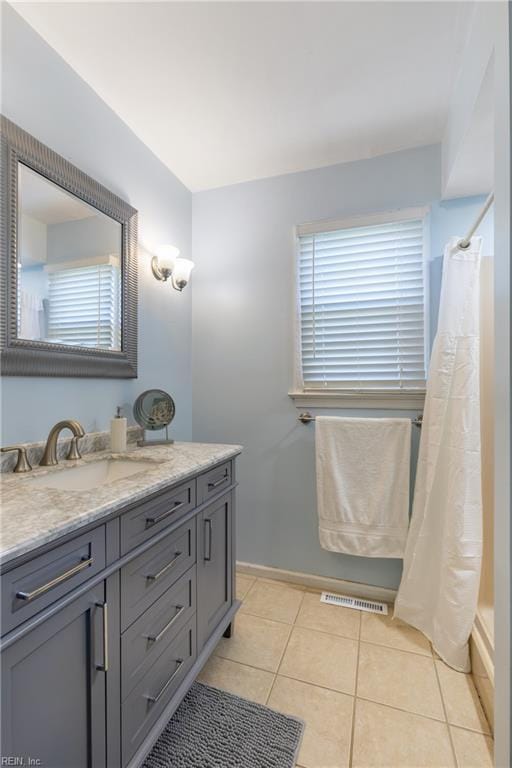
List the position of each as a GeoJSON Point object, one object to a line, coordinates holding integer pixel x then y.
{"type": "Point", "coordinates": [214, 566]}
{"type": "Point", "coordinates": [53, 689]}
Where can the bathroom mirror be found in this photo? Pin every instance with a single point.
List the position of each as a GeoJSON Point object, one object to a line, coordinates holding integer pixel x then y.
{"type": "Point", "coordinates": [68, 267]}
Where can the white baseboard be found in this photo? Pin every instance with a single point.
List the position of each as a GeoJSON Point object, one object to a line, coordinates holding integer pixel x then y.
{"type": "Point", "coordinates": [324, 583]}
{"type": "Point", "coordinates": [482, 666]}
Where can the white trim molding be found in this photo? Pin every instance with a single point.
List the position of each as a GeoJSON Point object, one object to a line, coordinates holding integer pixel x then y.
{"type": "Point", "coordinates": [362, 220]}
{"type": "Point", "coordinates": [400, 399]}
{"type": "Point", "coordinates": [482, 666]}
{"type": "Point", "coordinates": [321, 583]}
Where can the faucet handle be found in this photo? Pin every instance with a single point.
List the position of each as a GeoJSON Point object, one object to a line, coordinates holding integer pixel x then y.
{"type": "Point", "coordinates": [74, 453]}
{"type": "Point", "coordinates": [22, 464]}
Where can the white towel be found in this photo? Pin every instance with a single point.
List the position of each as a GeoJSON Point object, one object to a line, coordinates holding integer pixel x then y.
{"type": "Point", "coordinates": [362, 475]}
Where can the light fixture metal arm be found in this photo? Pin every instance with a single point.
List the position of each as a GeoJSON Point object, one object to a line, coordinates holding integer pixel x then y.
{"type": "Point", "coordinates": [158, 272]}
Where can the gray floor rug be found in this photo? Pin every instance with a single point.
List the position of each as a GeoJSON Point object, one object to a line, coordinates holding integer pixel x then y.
{"type": "Point", "coordinates": [214, 729]}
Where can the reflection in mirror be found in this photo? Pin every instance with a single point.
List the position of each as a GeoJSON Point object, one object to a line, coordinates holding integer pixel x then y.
{"type": "Point", "coordinates": [69, 267]}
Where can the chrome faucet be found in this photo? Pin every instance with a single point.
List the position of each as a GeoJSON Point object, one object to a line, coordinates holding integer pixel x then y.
{"type": "Point", "coordinates": [49, 457]}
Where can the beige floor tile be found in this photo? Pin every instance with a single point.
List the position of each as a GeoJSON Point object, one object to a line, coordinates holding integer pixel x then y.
{"type": "Point", "coordinates": [321, 659]}
{"type": "Point", "coordinates": [384, 630]}
{"type": "Point", "coordinates": [243, 585]}
{"type": "Point", "coordinates": [250, 683]}
{"type": "Point", "coordinates": [328, 618]}
{"type": "Point", "coordinates": [473, 750]}
{"type": "Point", "coordinates": [388, 738]}
{"type": "Point", "coordinates": [461, 699]}
{"type": "Point", "coordinates": [273, 600]}
{"type": "Point", "coordinates": [328, 719]}
{"type": "Point", "coordinates": [404, 680]}
{"type": "Point", "coordinates": [257, 642]}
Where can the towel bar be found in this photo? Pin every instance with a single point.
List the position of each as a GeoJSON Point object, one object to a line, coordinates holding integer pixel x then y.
{"type": "Point", "coordinates": [306, 418]}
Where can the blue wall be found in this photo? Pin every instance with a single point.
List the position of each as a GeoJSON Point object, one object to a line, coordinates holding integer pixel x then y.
{"type": "Point", "coordinates": [243, 300]}
{"type": "Point", "coordinates": [43, 95]}
{"type": "Point", "coordinates": [243, 244]}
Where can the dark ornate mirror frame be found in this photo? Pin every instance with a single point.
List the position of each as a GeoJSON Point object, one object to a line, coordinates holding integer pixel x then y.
{"type": "Point", "coordinates": [19, 357]}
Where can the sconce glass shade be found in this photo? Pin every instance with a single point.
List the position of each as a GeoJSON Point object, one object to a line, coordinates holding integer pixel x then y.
{"type": "Point", "coordinates": [166, 256]}
{"type": "Point", "coordinates": [181, 273]}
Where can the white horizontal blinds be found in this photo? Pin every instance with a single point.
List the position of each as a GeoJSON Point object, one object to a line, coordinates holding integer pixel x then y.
{"type": "Point", "coordinates": [84, 306]}
{"type": "Point", "coordinates": [362, 306]}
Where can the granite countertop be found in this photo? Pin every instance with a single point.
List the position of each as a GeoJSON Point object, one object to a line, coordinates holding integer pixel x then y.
{"type": "Point", "coordinates": [33, 515]}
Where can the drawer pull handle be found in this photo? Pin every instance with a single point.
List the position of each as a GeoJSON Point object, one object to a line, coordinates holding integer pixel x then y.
{"type": "Point", "coordinates": [223, 479]}
{"type": "Point", "coordinates": [208, 539]}
{"type": "Point", "coordinates": [155, 576]}
{"type": "Point", "coordinates": [154, 699]}
{"type": "Point", "coordinates": [104, 667]}
{"type": "Point", "coordinates": [154, 520]}
{"type": "Point", "coordinates": [156, 638]}
{"type": "Point", "coordinates": [82, 565]}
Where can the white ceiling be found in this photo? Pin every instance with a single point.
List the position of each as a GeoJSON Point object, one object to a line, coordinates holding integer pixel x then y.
{"type": "Point", "coordinates": [227, 92]}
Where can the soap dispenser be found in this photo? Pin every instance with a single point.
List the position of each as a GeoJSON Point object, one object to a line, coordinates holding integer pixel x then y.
{"type": "Point", "coordinates": [118, 432]}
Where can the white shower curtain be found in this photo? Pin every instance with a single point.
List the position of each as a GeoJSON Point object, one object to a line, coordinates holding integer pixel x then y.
{"type": "Point", "coordinates": [439, 588]}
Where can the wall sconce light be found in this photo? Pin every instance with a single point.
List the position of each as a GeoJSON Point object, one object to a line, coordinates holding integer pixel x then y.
{"type": "Point", "coordinates": [168, 264]}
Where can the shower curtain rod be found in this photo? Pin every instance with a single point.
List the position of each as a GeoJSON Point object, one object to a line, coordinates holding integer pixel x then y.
{"type": "Point", "coordinates": [466, 241]}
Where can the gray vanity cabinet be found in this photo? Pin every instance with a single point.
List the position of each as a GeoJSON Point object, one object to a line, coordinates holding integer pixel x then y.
{"type": "Point", "coordinates": [53, 689]}
{"type": "Point", "coordinates": [214, 566]}
{"type": "Point", "coordinates": [86, 686]}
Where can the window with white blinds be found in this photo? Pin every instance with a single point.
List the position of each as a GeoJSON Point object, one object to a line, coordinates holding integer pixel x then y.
{"type": "Point", "coordinates": [84, 306]}
{"type": "Point", "coordinates": [362, 305]}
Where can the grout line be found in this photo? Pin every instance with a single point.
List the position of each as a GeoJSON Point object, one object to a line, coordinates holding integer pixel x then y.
{"type": "Point", "coordinates": [299, 609]}
{"type": "Point", "coordinates": [401, 709]}
{"type": "Point", "coordinates": [271, 689]}
{"type": "Point", "coordinates": [427, 656]}
{"type": "Point", "coordinates": [316, 685]}
{"type": "Point", "coordinates": [353, 724]}
{"type": "Point", "coordinates": [470, 730]}
{"type": "Point", "coordinates": [245, 664]}
{"type": "Point", "coordinates": [249, 589]}
{"type": "Point", "coordinates": [395, 648]}
{"type": "Point", "coordinates": [455, 761]}
{"type": "Point", "coordinates": [244, 612]}
{"type": "Point", "coordinates": [281, 659]}
{"type": "Point", "coordinates": [310, 629]}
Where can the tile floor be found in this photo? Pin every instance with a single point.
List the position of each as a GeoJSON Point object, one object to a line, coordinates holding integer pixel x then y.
{"type": "Point", "coordinates": [369, 690]}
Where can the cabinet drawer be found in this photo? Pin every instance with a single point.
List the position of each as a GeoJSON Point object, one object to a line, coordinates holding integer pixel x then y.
{"type": "Point", "coordinates": [149, 635]}
{"type": "Point", "coordinates": [149, 698]}
{"type": "Point", "coordinates": [214, 481]}
{"type": "Point", "coordinates": [150, 574]}
{"type": "Point", "coordinates": [28, 589]}
{"type": "Point", "coordinates": [150, 517]}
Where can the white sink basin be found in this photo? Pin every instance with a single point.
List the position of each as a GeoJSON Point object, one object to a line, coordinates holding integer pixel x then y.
{"type": "Point", "coordinates": [89, 476]}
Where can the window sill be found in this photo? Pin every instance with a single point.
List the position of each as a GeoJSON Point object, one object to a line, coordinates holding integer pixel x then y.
{"type": "Point", "coordinates": [408, 400]}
